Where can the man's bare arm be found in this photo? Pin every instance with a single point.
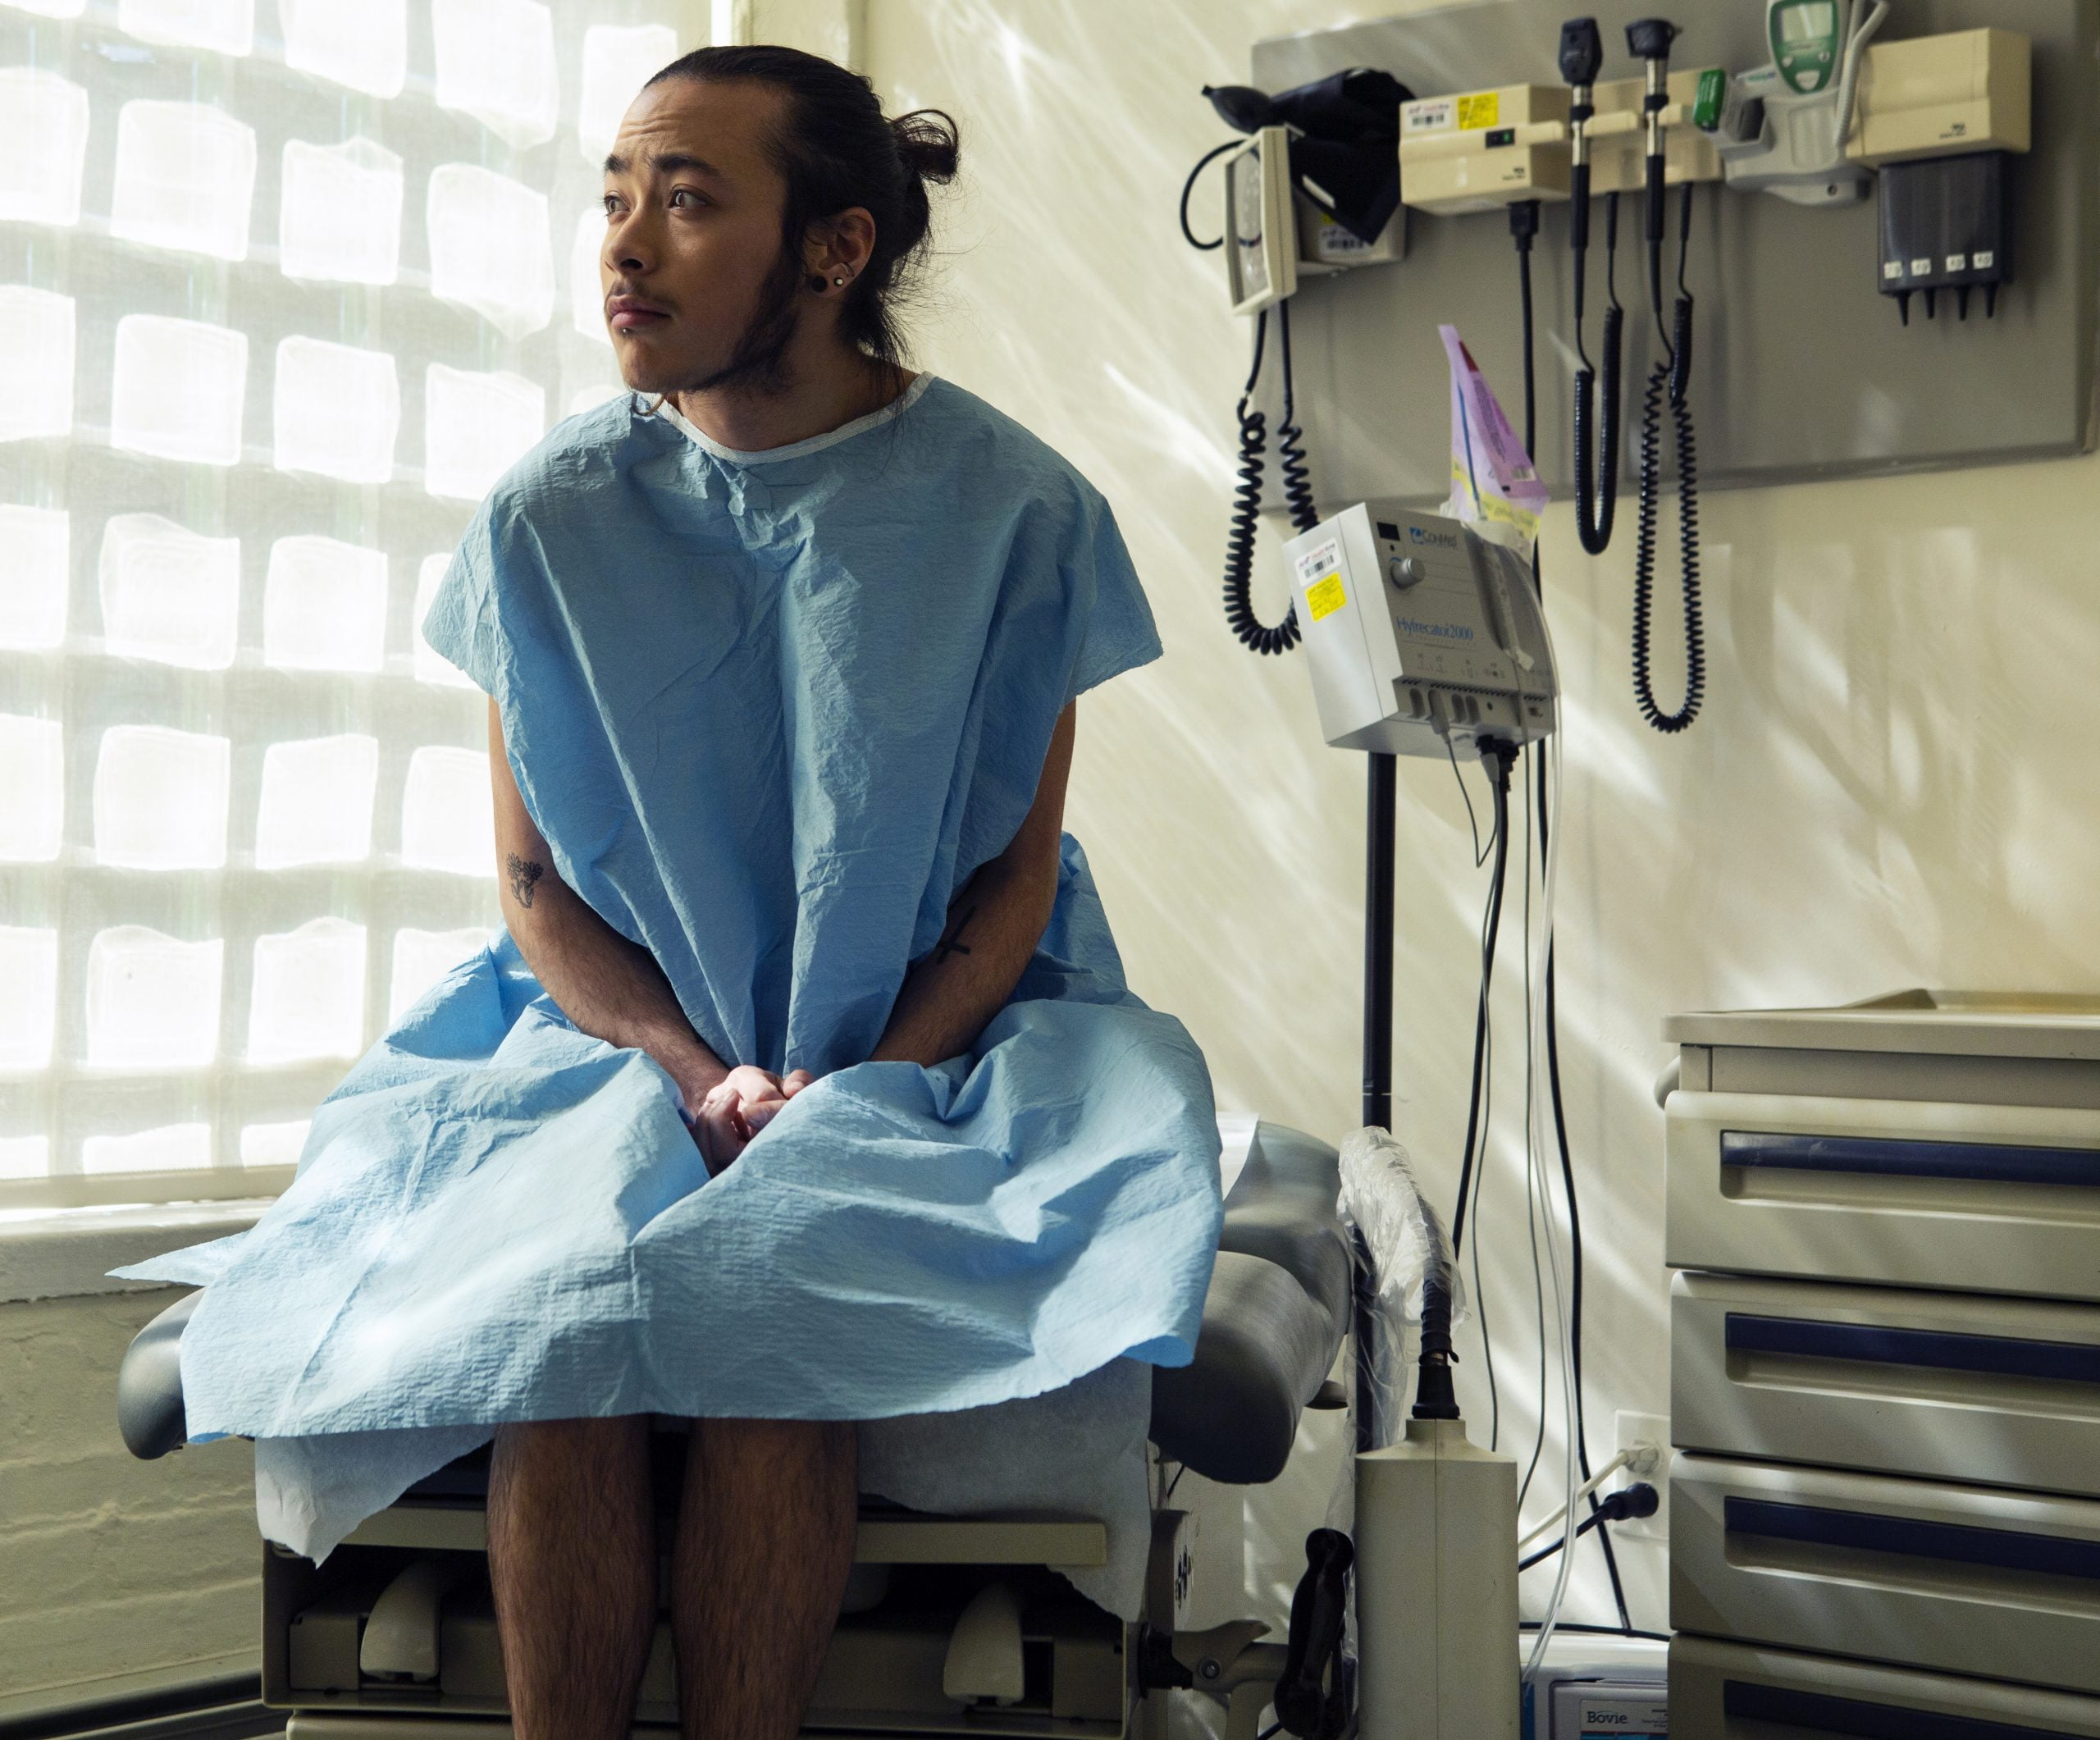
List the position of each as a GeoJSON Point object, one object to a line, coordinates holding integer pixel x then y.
{"type": "Point", "coordinates": [993, 926]}
{"type": "Point", "coordinates": [609, 987]}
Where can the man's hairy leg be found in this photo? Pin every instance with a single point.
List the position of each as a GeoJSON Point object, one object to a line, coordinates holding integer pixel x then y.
{"type": "Point", "coordinates": [573, 1563]}
{"type": "Point", "coordinates": [765, 1543]}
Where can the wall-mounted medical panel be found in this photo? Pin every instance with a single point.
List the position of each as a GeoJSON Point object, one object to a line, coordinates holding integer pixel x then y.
{"type": "Point", "coordinates": [1899, 1193]}
{"type": "Point", "coordinates": [1945, 1386]}
{"type": "Point", "coordinates": [1804, 369]}
{"type": "Point", "coordinates": [1742, 1692]}
{"type": "Point", "coordinates": [1915, 1573]}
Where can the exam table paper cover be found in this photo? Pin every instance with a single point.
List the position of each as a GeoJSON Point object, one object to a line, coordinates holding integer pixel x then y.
{"type": "Point", "coordinates": [770, 711]}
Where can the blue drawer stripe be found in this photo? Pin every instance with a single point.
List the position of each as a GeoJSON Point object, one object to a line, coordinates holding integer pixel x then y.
{"type": "Point", "coordinates": [1989, 1162]}
{"type": "Point", "coordinates": [1817, 1712]}
{"type": "Point", "coordinates": [1999, 1356]}
{"type": "Point", "coordinates": [1999, 1549]}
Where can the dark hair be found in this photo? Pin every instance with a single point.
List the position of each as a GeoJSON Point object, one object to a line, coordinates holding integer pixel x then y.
{"type": "Point", "coordinates": [836, 149]}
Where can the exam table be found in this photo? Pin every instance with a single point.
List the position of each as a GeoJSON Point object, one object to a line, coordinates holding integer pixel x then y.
{"type": "Point", "coordinates": [952, 1625]}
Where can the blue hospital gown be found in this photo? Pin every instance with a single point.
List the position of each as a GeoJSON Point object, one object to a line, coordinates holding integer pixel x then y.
{"type": "Point", "coordinates": [770, 710]}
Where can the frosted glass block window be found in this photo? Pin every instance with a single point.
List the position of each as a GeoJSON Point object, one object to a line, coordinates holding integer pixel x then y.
{"type": "Point", "coordinates": [178, 389]}
{"type": "Point", "coordinates": [363, 45]}
{"type": "Point", "coordinates": [338, 212]}
{"type": "Point", "coordinates": [589, 398]}
{"type": "Point", "coordinates": [36, 363]}
{"type": "Point", "coordinates": [169, 593]}
{"type": "Point", "coordinates": [225, 25]}
{"type": "Point", "coordinates": [185, 178]}
{"type": "Point", "coordinates": [274, 1145]}
{"type": "Point", "coordinates": [152, 999]}
{"type": "Point", "coordinates": [35, 563]}
{"type": "Point", "coordinates": [617, 62]}
{"type": "Point", "coordinates": [324, 605]}
{"type": "Point", "coordinates": [316, 805]}
{"type": "Point", "coordinates": [448, 813]}
{"type": "Point", "coordinates": [308, 996]}
{"type": "Point", "coordinates": [25, 1156]}
{"type": "Point", "coordinates": [32, 789]}
{"type": "Point", "coordinates": [29, 1011]}
{"type": "Point", "coordinates": [475, 426]}
{"type": "Point", "coordinates": [285, 287]}
{"type": "Point", "coordinates": [171, 1148]}
{"type": "Point", "coordinates": [489, 247]}
{"type": "Point", "coordinates": [495, 62]}
{"type": "Point", "coordinates": [43, 146]}
{"type": "Point", "coordinates": [586, 288]}
{"type": "Point", "coordinates": [160, 798]}
{"type": "Point", "coordinates": [432, 665]}
{"type": "Point", "coordinates": [423, 957]}
{"type": "Point", "coordinates": [337, 409]}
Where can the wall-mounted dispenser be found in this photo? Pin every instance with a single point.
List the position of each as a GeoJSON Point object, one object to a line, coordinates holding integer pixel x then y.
{"type": "Point", "coordinates": [1480, 150]}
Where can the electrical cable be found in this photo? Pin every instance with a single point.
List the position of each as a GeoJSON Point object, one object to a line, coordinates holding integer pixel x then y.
{"type": "Point", "coordinates": [1640, 1500]}
{"type": "Point", "coordinates": [1597, 438]}
{"type": "Point", "coordinates": [1247, 512]}
{"type": "Point", "coordinates": [1533, 1183]}
{"type": "Point", "coordinates": [1503, 760]}
{"type": "Point", "coordinates": [1669, 380]}
{"type": "Point", "coordinates": [1543, 752]}
{"type": "Point", "coordinates": [1189, 187]}
{"type": "Point", "coordinates": [1290, 453]}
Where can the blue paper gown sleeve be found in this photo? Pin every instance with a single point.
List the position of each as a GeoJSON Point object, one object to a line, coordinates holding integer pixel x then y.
{"type": "Point", "coordinates": [462, 624]}
{"type": "Point", "coordinates": [1119, 634]}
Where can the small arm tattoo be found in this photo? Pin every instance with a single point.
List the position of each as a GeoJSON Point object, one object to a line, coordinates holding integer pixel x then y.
{"type": "Point", "coordinates": [953, 943]}
{"type": "Point", "coordinates": [524, 873]}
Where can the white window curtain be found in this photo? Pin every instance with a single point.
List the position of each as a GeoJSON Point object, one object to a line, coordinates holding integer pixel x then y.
{"type": "Point", "coordinates": [285, 286]}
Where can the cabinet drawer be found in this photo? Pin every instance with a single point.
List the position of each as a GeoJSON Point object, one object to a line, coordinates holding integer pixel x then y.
{"type": "Point", "coordinates": [1740, 1691]}
{"type": "Point", "coordinates": [1899, 1193]}
{"type": "Point", "coordinates": [1946, 1385]}
{"type": "Point", "coordinates": [1920, 1573]}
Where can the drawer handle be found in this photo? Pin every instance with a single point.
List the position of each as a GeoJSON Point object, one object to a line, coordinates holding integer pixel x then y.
{"type": "Point", "coordinates": [1998, 1356]}
{"type": "Point", "coordinates": [1998, 1549]}
{"type": "Point", "coordinates": [1988, 1162]}
{"type": "Point", "coordinates": [1744, 1700]}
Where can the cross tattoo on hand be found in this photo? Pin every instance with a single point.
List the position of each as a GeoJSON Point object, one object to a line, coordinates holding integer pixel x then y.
{"type": "Point", "coordinates": [524, 873]}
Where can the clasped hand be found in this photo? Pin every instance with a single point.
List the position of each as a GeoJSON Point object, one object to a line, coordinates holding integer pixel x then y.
{"type": "Point", "coordinates": [739, 1106]}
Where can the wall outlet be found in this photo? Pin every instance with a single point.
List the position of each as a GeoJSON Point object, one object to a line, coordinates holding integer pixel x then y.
{"type": "Point", "coordinates": [1644, 1428]}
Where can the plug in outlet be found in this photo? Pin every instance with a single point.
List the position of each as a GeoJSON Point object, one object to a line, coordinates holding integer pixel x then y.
{"type": "Point", "coordinates": [1648, 1436]}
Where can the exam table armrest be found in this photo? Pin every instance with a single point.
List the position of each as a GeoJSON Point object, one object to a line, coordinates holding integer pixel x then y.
{"type": "Point", "coordinates": [149, 1411]}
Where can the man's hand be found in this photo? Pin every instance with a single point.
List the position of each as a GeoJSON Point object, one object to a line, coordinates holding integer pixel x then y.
{"type": "Point", "coordinates": [739, 1106]}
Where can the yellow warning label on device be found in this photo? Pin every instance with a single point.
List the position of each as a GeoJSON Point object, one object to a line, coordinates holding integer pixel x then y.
{"type": "Point", "coordinates": [1480, 108]}
{"type": "Point", "coordinates": [1326, 597]}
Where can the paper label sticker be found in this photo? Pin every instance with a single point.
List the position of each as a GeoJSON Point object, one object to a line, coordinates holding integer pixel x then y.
{"type": "Point", "coordinates": [1957, 262]}
{"type": "Point", "coordinates": [1325, 597]}
{"type": "Point", "coordinates": [1893, 269]}
{"type": "Point", "coordinates": [1479, 108]}
{"type": "Point", "coordinates": [1920, 268]}
{"type": "Point", "coordinates": [1984, 259]}
{"type": "Point", "coordinates": [1431, 115]}
{"type": "Point", "coordinates": [1323, 557]}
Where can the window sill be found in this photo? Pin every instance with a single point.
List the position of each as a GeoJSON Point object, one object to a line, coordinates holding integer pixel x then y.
{"type": "Point", "coordinates": [66, 1253]}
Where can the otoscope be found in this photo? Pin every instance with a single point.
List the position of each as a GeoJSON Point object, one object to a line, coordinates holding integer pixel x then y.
{"type": "Point", "coordinates": [1597, 474]}
{"type": "Point", "coordinates": [1650, 39]}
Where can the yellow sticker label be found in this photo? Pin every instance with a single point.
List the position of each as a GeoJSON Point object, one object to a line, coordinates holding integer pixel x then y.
{"type": "Point", "coordinates": [1326, 597]}
{"type": "Point", "coordinates": [1481, 108]}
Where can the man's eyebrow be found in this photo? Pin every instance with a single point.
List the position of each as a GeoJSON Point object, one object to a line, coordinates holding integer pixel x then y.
{"type": "Point", "coordinates": [671, 162]}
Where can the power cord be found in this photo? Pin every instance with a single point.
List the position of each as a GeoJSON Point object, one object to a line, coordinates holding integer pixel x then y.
{"type": "Point", "coordinates": [1641, 1500]}
{"type": "Point", "coordinates": [1247, 493]}
{"type": "Point", "coordinates": [1549, 977]}
{"type": "Point", "coordinates": [1597, 439]}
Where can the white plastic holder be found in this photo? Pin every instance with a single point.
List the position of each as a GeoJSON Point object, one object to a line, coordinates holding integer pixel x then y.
{"type": "Point", "coordinates": [1437, 1588]}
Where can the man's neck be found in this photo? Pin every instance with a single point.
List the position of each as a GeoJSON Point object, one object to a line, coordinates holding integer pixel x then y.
{"type": "Point", "coordinates": [822, 393]}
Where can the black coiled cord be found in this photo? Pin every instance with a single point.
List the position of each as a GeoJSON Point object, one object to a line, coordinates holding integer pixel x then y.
{"type": "Point", "coordinates": [1597, 473]}
{"type": "Point", "coordinates": [1670, 380]}
{"type": "Point", "coordinates": [1247, 496]}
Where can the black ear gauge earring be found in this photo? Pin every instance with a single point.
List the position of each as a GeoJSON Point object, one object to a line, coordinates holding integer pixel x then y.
{"type": "Point", "coordinates": [816, 280]}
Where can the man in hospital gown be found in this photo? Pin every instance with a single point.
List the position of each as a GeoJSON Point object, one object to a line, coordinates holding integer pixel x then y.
{"type": "Point", "coordinates": [802, 1087]}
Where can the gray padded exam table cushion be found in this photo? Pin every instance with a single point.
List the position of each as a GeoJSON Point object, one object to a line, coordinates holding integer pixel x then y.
{"type": "Point", "coordinates": [1273, 1322]}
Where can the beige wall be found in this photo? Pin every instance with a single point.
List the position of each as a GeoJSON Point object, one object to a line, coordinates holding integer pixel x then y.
{"type": "Point", "coordinates": [1890, 785]}
{"type": "Point", "coordinates": [116, 1570]}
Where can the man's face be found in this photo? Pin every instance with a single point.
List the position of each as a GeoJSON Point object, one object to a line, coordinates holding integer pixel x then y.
{"type": "Point", "coordinates": [693, 209]}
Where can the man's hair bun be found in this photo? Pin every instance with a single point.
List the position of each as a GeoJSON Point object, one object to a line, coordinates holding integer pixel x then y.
{"type": "Point", "coordinates": [927, 142]}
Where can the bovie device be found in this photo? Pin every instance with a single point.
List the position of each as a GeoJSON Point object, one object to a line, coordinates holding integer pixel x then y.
{"type": "Point", "coordinates": [1424, 638]}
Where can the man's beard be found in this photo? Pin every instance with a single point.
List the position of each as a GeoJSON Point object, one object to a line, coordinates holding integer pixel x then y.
{"type": "Point", "coordinates": [759, 360]}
